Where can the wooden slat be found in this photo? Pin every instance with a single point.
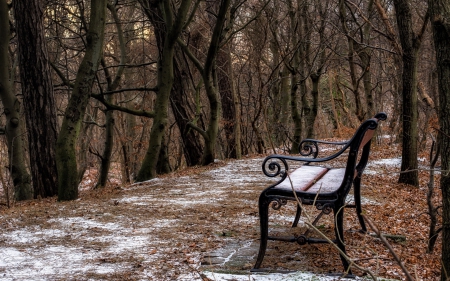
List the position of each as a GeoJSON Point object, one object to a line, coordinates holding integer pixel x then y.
{"type": "Point", "coordinates": [303, 178]}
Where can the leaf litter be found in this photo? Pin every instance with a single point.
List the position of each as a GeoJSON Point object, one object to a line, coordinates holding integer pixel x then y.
{"type": "Point", "coordinates": [202, 224]}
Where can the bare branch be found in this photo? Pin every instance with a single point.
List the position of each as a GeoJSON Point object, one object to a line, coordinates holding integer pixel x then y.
{"type": "Point", "coordinates": [391, 250]}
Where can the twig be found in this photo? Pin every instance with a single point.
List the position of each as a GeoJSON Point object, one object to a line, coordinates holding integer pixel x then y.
{"type": "Point", "coordinates": [352, 263]}
{"type": "Point", "coordinates": [309, 224]}
{"type": "Point", "coordinates": [432, 209]}
{"type": "Point", "coordinates": [391, 236]}
{"type": "Point", "coordinates": [444, 271]}
{"type": "Point", "coordinates": [391, 250]}
{"type": "Point", "coordinates": [202, 275]}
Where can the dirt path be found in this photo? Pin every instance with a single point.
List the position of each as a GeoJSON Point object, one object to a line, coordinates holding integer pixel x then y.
{"type": "Point", "coordinates": [173, 228]}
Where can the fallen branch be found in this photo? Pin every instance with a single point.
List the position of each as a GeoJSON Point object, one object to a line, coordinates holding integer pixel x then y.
{"type": "Point", "coordinates": [391, 250]}
{"type": "Point", "coordinates": [397, 238]}
{"type": "Point", "coordinates": [320, 233]}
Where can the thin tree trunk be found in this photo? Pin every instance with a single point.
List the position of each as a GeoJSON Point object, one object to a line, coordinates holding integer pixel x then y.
{"type": "Point", "coordinates": [228, 99]}
{"type": "Point", "coordinates": [315, 78]}
{"type": "Point", "coordinates": [130, 162]}
{"type": "Point", "coordinates": [410, 46]}
{"type": "Point", "coordinates": [296, 116]}
{"type": "Point", "coordinates": [109, 115]}
{"type": "Point", "coordinates": [294, 15]}
{"type": "Point", "coordinates": [359, 110]}
{"type": "Point", "coordinates": [105, 161]}
{"type": "Point", "coordinates": [66, 144]}
{"type": "Point", "coordinates": [334, 116]}
{"type": "Point", "coordinates": [432, 209]}
{"type": "Point", "coordinates": [285, 101]}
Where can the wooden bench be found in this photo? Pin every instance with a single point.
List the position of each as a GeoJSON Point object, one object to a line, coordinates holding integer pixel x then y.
{"type": "Point", "coordinates": [325, 188]}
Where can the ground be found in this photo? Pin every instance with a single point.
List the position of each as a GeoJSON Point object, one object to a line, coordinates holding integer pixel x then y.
{"type": "Point", "coordinates": [202, 224]}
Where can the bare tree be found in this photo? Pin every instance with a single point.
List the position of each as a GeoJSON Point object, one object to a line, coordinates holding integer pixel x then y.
{"type": "Point", "coordinates": [12, 108]}
{"type": "Point", "coordinates": [440, 20]}
{"type": "Point", "coordinates": [70, 128]}
{"type": "Point", "coordinates": [38, 98]}
{"type": "Point", "coordinates": [207, 70]}
{"type": "Point", "coordinates": [410, 42]}
{"type": "Point", "coordinates": [173, 23]}
{"type": "Point", "coordinates": [112, 84]}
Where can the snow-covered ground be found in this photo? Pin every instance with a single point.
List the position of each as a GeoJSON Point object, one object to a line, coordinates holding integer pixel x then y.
{"type": "Point", "coordinates": [94, 241]}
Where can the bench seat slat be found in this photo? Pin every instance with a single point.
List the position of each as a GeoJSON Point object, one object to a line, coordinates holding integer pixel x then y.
{"type": "Point", "coordinates": [312, 178]}
{"type": "Point", "coordinates": [329, 182]}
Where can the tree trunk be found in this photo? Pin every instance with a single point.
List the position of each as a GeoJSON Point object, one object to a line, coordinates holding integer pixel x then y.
{"type": "Point", "coordinates": [13, 129]}
{"type": "Point", "coordinates": [279, 110]}
{"type": "Point", "coordinates": [228, 99]}
{"type": "Point", "coordinates": [285, 103]}
{"type": "Point", "coordinates": [109, 115]}
{"type": "Point", "coordinates": [359, 110]}
{"type": "Point", "coordinates": [160, 122]}
{"type": "Point", "coordinates": [410, 47]}
{"type": "Point", "coordinates": [209, 76]}
{"type": "Point", "coordinates": [296, 116]}
{"type": "Point", "coordinates": [105, 163]}
{"type": "Point", "coordinates": [367, 82]}
{"type": "Point", "coordinates": [37, 90]}
{"type": "Point", "coordinates": [165, 81]}
{"type": "Point", "coordinates": [84, 141]}
{"type": "Point", "coordinates": [210, 135]}
{"type": "Point", "coordinates": [128, 124]}
{"type": "Point", "coordinates": [192, 147]}
{"type": "Point", "coordinates": [321, 61]}
{"type": "Point", "coordinates": [440, 19]}
{"type": "Point", "coordinates": [163, 165]}
{"type": "Point", "coordinates": [315, 78]}
{"type": "Point", "coordinates": [66, 144]}
{"type": "Point", "coordinates": [296, 80]}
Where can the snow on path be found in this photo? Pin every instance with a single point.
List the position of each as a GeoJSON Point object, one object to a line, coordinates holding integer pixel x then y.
{"type": "Point", "coordinates": [44, 252]}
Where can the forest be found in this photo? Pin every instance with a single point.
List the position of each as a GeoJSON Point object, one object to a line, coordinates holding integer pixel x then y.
{"type": "Point", "coordinates": [142, 88]}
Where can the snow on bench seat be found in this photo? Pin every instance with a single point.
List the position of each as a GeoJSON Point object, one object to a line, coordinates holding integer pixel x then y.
{"type": "Point", "coordinates": [313, 179]}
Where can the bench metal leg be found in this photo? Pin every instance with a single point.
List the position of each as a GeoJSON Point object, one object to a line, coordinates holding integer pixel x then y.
{"type": "Point", "coordinates": [339, 232]}
{"type": "Point", "coordinates": [297, 216]}
{"type": "Point", "coordinates": [264, 228]}
{"type": "Point", "coordinates": [357, 196]}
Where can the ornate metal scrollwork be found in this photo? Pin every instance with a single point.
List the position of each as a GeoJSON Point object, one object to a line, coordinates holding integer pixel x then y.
{"type": "Point", "coordinates": [308, 148]}
{"type": "Point", "coordinates": [325, 208]}
{"type": "Point", "coordinates": [278, 203]}
{"type": "Point", "coordinates": [274, 166]}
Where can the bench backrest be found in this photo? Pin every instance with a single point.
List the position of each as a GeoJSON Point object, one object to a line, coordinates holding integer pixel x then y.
{"type": "Point", "coordinates": [358, 151]}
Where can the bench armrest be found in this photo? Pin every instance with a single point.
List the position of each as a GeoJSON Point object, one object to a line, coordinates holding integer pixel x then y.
{"type": "Point", "coordinates": [308, 147]}
{"type": "Point", "coordinates": [277, 165]}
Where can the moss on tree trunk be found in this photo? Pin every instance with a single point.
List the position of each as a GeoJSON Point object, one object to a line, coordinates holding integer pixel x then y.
{"type": "Point", "coordinates": [66, 160]}
{"type": "Point", "coordinates": [13, 131]}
